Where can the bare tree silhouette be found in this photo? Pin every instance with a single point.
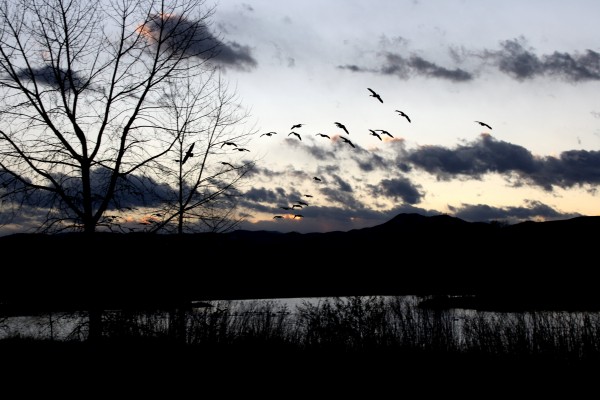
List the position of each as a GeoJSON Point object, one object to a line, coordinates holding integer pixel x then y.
{"type": "Point", "coordinates": [81, 84]}
{"type": "Point", "coordinates": [203, 195]}
{"type": "Point", "coordinates": [83, 132]}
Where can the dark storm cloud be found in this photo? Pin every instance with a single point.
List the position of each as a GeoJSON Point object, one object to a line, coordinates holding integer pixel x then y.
{"type": "Point", "coordinates": [398, 188]}
{"type": "Point", "coordinates": [522, 63]}
{"type": "Point", "coordinates": [532, 211]}
{"type": "Point", "coordinates": [194, 39]}
{"type": "Point", "coordinates": [405, 68]}
{"type": "Point", "coordinates": [488, 155]}
{"type": "Point", "coordinates": [50, 76]}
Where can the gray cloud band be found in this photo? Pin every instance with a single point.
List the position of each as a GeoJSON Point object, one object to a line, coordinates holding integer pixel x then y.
{"type": "Point", "coordinates": [513, 59]}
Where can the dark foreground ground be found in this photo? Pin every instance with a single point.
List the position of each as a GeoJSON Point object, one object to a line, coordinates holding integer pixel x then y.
{"type": "Point", "coordinates": [527, 266]}
{"type": "Point", "coordinates": [180, 371]}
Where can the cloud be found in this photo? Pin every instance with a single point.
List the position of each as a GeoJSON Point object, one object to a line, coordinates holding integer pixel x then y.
{"type": "Point", "coordinates": [51, 76]}
{"type": "Point", "coordinates": [398, 188]}
{"type": "Point", "coordinates": [236, 55]}
{"type": "Point", "coordinates": [369, 161]}
{"type": "Point", "coordinates": [264, 195]}
{"type": "Point", "coordinates": [514, 58]}
{"type": "Point", "coordinates": [419, 66]}
{"type": "Point", "coordinates": [533, 210]}
{"type": "Point", "coordinates": [405, 68]}
{"type": "Point", "coordinates": [192, 37]}
{"type": "Point", "coordinates": [522, 63]}
{"type": "Point", "coordinates": [330, 218]}
{"type": "Point", "coordinates": [488, 155]}
{"type": "Point", "coordinates": [482, 156]}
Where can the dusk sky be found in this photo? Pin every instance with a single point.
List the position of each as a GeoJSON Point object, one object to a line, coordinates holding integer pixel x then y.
{"type": "Point", "coordinates": [528, 69]}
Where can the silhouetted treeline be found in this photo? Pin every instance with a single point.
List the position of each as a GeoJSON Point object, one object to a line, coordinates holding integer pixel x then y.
{"type": "Point", "coordinates": [410, 254]}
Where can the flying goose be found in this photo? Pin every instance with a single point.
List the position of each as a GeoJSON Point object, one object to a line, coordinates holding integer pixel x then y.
{"type": "Point", "coordinates": [294, 133]}
{"type": "Point", "coordinates": [373, 94]}
{"type": "Point", "coordinates": [347, 141]}
{"type": "Point", "coordinates": [402, 114]}
{"type": "Point", "coordinates": [340, 125]}
{"type": "Point", "coordinates": [484, 124]}
{"type": "Point", "coordinates": [375, 134]}
{"type": "Point", "coordinates": [385, 132]}
{"type": "Point", "coordinates": [188, 154]}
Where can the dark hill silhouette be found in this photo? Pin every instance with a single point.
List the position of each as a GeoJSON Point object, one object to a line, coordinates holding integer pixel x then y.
{"type": "Point", "coordinates": [410, 254]}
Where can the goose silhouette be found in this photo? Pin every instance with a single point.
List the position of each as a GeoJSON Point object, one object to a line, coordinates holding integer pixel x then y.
{"type": "Point", "coordinates": [269, 134]}
{"type": "Point", "coordinates": [374, 94]}
{"type": "Point", "coordinates": [323, 135]}
{"type": "Point", "coordinates": [296, 126]}
{"type": "Point", "coordinates": [402, 114]}
{"type": "Point", "coordinates": [484, 124]}
{"type": "Point", "coordinates": [384, 132]}
{"type": "Point", "coordinates": [347, 141]}
{"type": "Point", "coordinates": [340, 125]}
{"type": "Point", "coordinates": [375, 134]}
{"type": "Point", "coordinates": [188, 154]}
{"type": "Point", "coordinates": [294, 133]}
{"type": "Point", "coordinates": [228, 144]}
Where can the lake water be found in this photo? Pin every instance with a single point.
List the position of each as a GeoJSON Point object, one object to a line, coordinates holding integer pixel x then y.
{"type": "Point", "coordinates": [73, 325]}
{"type": "Point", "coordinates": [360, 319]}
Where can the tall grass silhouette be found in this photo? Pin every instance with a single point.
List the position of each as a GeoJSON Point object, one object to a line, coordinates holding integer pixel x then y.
{"type": "Point", "coordinates": [359, 324]}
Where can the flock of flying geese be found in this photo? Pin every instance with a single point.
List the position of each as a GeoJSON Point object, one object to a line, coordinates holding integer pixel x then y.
{"type": "Point", "coordinates": [374, 132]}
